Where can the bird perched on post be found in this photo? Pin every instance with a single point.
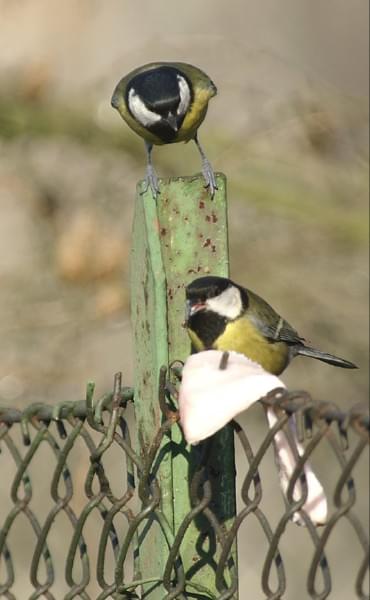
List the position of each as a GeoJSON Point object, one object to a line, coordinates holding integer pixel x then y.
{"type": "Point", "coordinates": [164, 103]}
{"type": "Point", "coordinates": [222, 315]}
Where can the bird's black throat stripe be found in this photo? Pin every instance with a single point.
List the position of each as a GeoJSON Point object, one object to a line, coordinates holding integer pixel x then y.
{"type": "Point", "coordinates": [164, 131]}
{"type": "Point", "coordinates": [208, 326]}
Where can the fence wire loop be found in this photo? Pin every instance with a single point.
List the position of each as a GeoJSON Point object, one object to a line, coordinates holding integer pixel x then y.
{"type": "Point", "coordinates": [122, 517]}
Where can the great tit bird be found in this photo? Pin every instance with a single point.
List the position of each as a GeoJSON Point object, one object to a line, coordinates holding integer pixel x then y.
{"type": "Point", "coordinates": [165, 103]}
{"type": "Point", "coordinates": [222, 315]}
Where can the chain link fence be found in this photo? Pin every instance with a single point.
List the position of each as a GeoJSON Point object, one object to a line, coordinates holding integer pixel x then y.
{"type": "Point", "coordinates": [72, 524]}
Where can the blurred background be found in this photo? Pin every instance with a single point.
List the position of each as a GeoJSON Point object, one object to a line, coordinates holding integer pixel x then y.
{"type": "Point", "coordinates": [289, 128]}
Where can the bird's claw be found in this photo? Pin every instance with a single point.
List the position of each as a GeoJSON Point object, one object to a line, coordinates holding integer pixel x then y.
{"type": "Point", "coordinates": [151, 181]}
{"type": "Point", "coordinates": [209, 177]}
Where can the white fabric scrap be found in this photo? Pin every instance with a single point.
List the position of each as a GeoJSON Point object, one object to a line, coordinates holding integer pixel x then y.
{"type": "Point", "coordinates": [211, 397]}
{"type": "Point", "coordinates": [316, 505]}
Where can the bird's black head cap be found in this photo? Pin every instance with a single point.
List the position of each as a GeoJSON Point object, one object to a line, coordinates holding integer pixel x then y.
{"type": "Point", "coordinates": [211, 286]}
{"type": "Point", "coordinates": [159, 89]}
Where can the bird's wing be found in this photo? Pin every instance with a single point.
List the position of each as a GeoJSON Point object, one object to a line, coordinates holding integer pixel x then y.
{"type": "Point", "coordinates": [270, 323]}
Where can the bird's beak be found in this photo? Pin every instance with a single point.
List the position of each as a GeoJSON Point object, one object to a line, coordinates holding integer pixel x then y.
{"type": "Point", "coordinates": [191, 309]}
{"type": "Point", "coordinates": [172, 122]}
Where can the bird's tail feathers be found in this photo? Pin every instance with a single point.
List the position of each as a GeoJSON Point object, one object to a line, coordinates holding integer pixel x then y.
{"type": "Point", "coordinates": [325, 357]}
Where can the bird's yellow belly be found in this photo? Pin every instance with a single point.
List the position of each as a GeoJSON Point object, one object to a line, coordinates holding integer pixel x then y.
{"type": "Point", "coordinates": [241, 336]}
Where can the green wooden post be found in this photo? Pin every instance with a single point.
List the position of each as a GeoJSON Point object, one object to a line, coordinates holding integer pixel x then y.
{"type": "Point", "coordinates": [176, 239]}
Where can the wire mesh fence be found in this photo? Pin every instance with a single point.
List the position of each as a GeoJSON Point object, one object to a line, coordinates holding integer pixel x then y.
{"type": "Point", "coordinates": [73, 522]}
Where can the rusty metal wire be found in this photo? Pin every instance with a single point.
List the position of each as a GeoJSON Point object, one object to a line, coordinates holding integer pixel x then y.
{"type": "Point", "coordinates": [97, 428]}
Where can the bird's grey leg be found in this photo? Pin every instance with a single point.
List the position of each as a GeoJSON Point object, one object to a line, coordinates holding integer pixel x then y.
{"type": "Point", "coordinates": [151, 179]}
{"type": "Point", "coordinates": [207, 170]}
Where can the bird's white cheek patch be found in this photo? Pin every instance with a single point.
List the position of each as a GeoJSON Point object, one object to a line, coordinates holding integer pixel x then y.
{"type": "Point", "coordinates": [185, 96]}
{"type": "Point", "coordinates": [211, 397]}
{"type": "Point", "coordinates": [137, 107]}
{"type": "Point", "coordinates": [228, 304]}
